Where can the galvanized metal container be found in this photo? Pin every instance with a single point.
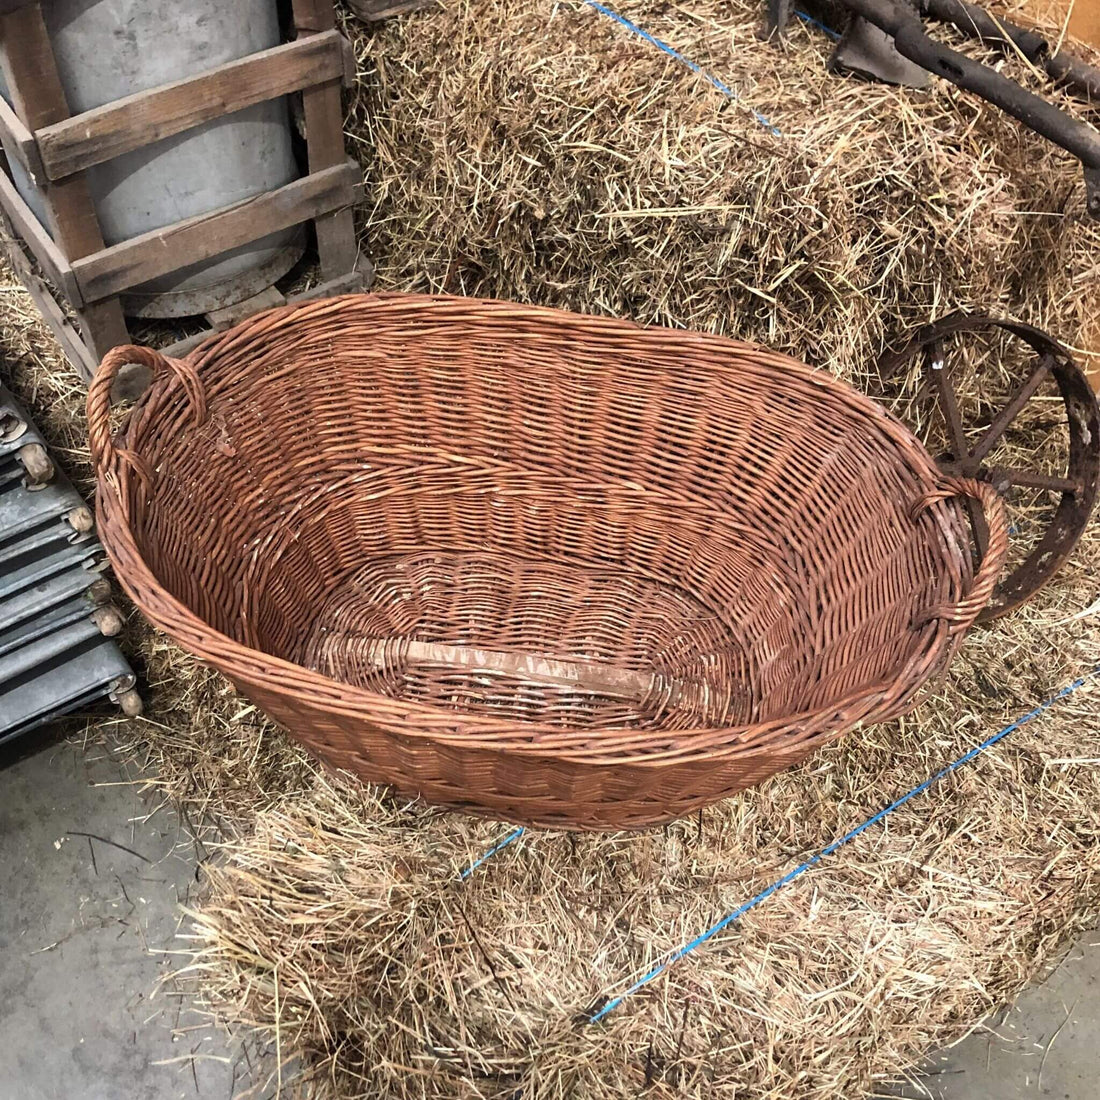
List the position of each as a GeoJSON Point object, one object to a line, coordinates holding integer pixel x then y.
{"type": "Point", "coordinates": [106, 50]}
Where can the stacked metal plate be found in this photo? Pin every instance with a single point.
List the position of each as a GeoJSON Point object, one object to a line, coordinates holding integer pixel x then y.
{"type": "Point", "coordinates": [56, 618]}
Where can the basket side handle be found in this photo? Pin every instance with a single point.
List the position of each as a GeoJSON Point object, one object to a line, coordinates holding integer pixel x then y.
{"type": "Point", "coordinates": [962, 614]}
{"type": "Point", "coordinates": [105, 455]}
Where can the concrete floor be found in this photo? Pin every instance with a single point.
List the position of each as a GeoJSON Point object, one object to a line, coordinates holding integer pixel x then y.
{"type": "Point", "coordinates": [92, 873]}
{"type": "Point", "coordinates": [1045, 1045]}
{"type": "Point", "coordinates": [91, 877]}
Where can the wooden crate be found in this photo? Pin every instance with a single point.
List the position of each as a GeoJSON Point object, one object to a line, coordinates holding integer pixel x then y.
{"type": "Point", "coordinates": [55, 148]}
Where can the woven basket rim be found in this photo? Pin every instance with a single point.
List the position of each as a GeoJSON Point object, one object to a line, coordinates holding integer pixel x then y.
{"type": "Point", "coordinates": [536, 741]}
{"type": "Point", "coordinates": [604, 746]}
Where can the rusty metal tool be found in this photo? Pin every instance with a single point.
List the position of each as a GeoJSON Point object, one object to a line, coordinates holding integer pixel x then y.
{"type": "Point", "coordinates": [886, 40]}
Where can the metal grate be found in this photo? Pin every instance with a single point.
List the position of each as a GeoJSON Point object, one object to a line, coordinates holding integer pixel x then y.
{"type": "Point", "coordinates": [56, 616]}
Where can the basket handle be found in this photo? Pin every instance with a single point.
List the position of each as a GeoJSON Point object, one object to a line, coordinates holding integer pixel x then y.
{"type": "Point", "coordinates": [105, 455]}
{"type": "Point", "coordinates": [962, 614]}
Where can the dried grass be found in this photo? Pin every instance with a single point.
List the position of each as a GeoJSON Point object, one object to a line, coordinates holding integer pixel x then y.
{"type": "Point", "coordinates": [540, 152]}
{"type": "Point", "coordinates": [520, 150]}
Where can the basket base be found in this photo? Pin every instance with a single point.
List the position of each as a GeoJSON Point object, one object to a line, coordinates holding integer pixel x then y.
{"type": "Point", "coordinates": [538, 642]}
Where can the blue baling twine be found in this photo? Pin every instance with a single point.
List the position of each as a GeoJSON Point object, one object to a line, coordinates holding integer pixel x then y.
{"type": "Point", "coordinates": [807, 18]}
{"type": "Point", "coordinates": [515, 834]}
{"type": "Point", "coordinates": [725, 89]}
{"type": "Point", "coordinates": [829, 849]}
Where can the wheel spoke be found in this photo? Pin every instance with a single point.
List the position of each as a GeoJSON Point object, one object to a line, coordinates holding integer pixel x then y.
{"type": "Point", "coordinates": [1032, 479]}
{"type": "Point", "coordinates": [949, 404]}
{"type": "Point", "coordinates": [981, 528]}
{"type": "Point", "coordinates": [1077, 483]}
{"type": "Point", "coordinates": [1015, 403]}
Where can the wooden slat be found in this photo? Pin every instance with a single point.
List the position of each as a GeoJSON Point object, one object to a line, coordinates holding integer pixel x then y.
{"type": "Point", "coordinates": [347, 53]}
{"type": "Point", "coordinates": [39, 100]}
{"type": "Point", "coordinates": [32, 232]}
{"type": "Point", "coordinates": [322, 105]}
{"type": "Point", "coordinates": [19, 142]}
{"type": "Point", "coordinates": [161, 251]}
{"type": "Point", "coordinates": [52, 313]}
{"type": "Point", "coordinates": [227, 316]}
{"type": "Point", "coordinates": [313, 16]}
{"type": "Point", "coordinates": [351, 283]}
{"type": "Point", "coordinates": [137, 120]}
{"type": "Point", "coordinates": [188, 344]}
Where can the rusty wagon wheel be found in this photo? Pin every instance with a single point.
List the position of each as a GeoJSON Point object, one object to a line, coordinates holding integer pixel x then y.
{"type": "Point", "coordinates": [1067, 473]}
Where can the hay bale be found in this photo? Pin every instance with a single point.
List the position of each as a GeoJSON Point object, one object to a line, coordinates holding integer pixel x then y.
{"type": "Point", "coordinates": [540, 152]}
{"type": "Point", "coordinates": [537, 152]}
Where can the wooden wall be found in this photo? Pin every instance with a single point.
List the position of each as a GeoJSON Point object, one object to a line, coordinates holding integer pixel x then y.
{"type": "Point", "coordinates": [1084, 25]}
{"type": "Point", "coordinates": [1084, 16]}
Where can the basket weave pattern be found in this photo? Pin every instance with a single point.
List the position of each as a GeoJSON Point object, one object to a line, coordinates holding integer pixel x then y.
{"type": "Point", "coordinates": [553, 568]}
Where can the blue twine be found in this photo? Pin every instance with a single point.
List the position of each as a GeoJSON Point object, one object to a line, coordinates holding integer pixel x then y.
{"type": "Point", "coordinates": [515, 834]}
{"type": "Point", "coordinates": [829, 849]}
{"type": "Point", "coordinates": [725, 89]}
{"type": "Point", "coordinates": [807, 18]}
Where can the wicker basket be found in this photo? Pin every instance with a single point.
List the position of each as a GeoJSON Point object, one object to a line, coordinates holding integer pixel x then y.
{"type": "Point", "coordinates": [553, 568]}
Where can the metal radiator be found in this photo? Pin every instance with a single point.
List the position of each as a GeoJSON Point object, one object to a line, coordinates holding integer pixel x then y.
{"type": "Point", "coordinates": [56, 618]}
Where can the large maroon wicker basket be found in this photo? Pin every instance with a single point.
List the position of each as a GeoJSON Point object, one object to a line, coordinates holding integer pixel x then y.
{"type": "Point", "coordinates": [553, 568]}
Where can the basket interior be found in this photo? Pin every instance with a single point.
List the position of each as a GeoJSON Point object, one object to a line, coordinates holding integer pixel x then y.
{"type": "Point", "coordinates": [439, 507]}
